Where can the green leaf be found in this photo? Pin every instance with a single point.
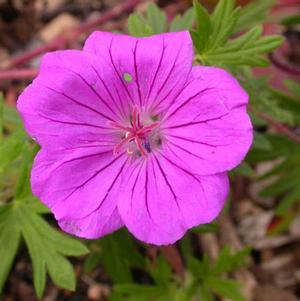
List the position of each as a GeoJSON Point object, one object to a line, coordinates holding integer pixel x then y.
{"type": "Point", "coordinates": [144, 292]}
{"type": "Point", "coordinates": [184, 22]}
{"type": "Point", "coordinates": [23, 184]}
{"type": "Point", "coordinates": [47, 247]}
{"type": "Point", "coordinates": [10, 234]}
{"type": "Point", "coordinates": [206, 228]}
{"type": "Point", "coordinates": [156, 18]}
{"type": "Point", "coordinates": [215, 47]}
{"type": "Point", "coordinates": [138, 27]}
{"type": "Point", "coordinates": [205, 294]}
{"type": "Point", "coordinates": [161, 272]}
{"type": "Point", "coordinates": [119, 255]}
{"type": "Point", "coordinates": [11, 116]}
{"type": "Point", "coordinates": [245, 50]}
{"type": "Point", "coordinates": [1, 116]}
{"type": "Point", "coordinates": [243, 169]}
{"type": "Point", "coordinates": [199, 269]}
{"type": "Point", "coordinates": [253, 14]}
{"type": "Point", "coordinates": [294, 87]}
{"type": "Point", "coordinates": [61, 270]}
{"type": "Point", "coordinates": [288, 202]}
{"type": "Point", "coordinates": [226, 288]}
{"type": "Point", "coordinates": [261, 142]}
{"type": "Point", "coordinates": [291, 20]}
{"type": "Point", "coordinates": [223, 21]}
{"type": "Point", "coordinates": [91, 262]}
{"type": "Point", "coordinates": [204, 27]}
{"type": "Point", "coordinates": [11, 148]}
{"type": "Point", "coordinates": [227, 262]}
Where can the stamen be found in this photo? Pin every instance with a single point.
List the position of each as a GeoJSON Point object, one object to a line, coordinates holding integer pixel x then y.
{"type": "Point", "coordinates": [136, 133]}
{"type": "Point", "coordinates": [140, 146]}
{"type": "Point", "coordinates": [122, 143]}
{"type": "Point", "coordinates": [135, 117]}
{"type": "Point", "coordinates": [119, 126]}
{"type": "Point", "coordinates": [149, 128]}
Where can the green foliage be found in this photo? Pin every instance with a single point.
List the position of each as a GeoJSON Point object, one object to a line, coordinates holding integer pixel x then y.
{"type": "Point", "coordinates": [46, 246]}
{"type": "Point", "coordinates": [21, 218]}
{"type": "Point", "coordinates": [204, 280]}
{"type": "Point", "coordinates": [213, 43]}
{"type": "Point", "coordinates": [1, 116]}
{"type": "Point", "coordinates": [156, 18]}
{"type": "Point", "coordinates": [291, 20]}
{"type": "Point", "coordinates": [253, 14]}
{"type": "Point", "coordinates": [230, 37]}
{"type": "Point", "coordinates": [10, 239]}
{"type": "Point", "coordinates": [286, 173]}
{"type": "Point", "coordinates": [138, 27]}
{"type": "Point", "coordinates": [155, 22]}
{"type": "Point", "coordinates": [204, 27]}
{"type": "Point", "coordinates": [212, 35]}
{"type": "Point", "coordinates": [161, 290]}
{"type": "Point", "coordinates": [183, 22]}
{"type": "Point", "coordinates": [118, 254]}
{"type": "Point", "coordinates": [209, 278]}
{"type": "Point", "coordinates": [207, 228]}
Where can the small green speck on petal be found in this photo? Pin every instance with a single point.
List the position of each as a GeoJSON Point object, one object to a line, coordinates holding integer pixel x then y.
{"type": "Point", "coordinates": [127, 77]}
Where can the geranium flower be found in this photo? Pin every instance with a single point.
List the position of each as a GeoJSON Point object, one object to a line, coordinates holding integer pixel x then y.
{"type": "Point", "coordinates": [131, 134]}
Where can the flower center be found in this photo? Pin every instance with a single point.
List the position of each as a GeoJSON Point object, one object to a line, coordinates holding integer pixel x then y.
{"type": "Point", "coordinates": [137, 133]}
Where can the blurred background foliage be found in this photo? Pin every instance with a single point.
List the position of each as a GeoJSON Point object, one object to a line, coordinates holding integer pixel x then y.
{"type": "Point", "coordinates": [212, 262]}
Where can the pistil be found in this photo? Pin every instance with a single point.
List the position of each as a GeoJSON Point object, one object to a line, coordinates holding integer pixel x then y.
{"type": "Point", "coordinates": [137, 133]}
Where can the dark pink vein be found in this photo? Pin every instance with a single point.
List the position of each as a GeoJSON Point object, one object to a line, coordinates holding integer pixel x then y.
{"type": "Point", "coordinates": [77, 102]}
{"type": "Point", "coordinates": [197, 141]}
{"type": "Point", "coordinates": [136, 72]}
{"type": "Point", "coordinates": [168, 183]}
{"type": "Point", "coordinates": [187, 101]}
{"type": "Point", "coordinates": [116, 70]}
{"type": "Point", "coordinates": [183, 149]}
{"type": "Point", "coordinates": [108, 92]}
{"type": "Point", "coordinates": [109, 189]}
{"type": "Point", "coordinates": [95, 174]}
{"type": "Point", "coordinates": [196, 122]}
{"type": "Point", "coordinates": [90, 87]}
{"type": "Point", "coordinates": [157, 70]}
{"type": "Point", "coordinates": [72, 123]}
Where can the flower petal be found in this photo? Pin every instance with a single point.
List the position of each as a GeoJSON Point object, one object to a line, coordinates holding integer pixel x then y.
{"type": "Point", "coordinates": [77, 182]}
{"type": "Point", "coordinates": [64, 102]}
{"type": "Point", "coordinates": [208, 128]}
{"type": "Point", "coordinates": [156, 67]}
{"type": "Point", "coordinates": [161, 200]}
{"type": "Point", "coordinates": [95, 225]}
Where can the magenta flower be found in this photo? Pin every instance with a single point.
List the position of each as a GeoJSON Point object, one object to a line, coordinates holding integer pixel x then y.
{"type": "Point", "coordinates": [133, 135]}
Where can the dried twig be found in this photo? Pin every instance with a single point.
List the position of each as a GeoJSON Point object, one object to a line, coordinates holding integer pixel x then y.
{"type": "Point", "coordinates": [288, 68]}
{"type": "Point", "coordinates": [18, 74]}
{"type": "Point", "coordinates": [173, 257]}
{"type": "Point", "coordinates": [71, 35]}
{"type": "Point", "coordinates": [279, 127]}
{"type": "Point", "coordinates": [229, 236]}
{"type": "Point", "coordinates": [210, 245]}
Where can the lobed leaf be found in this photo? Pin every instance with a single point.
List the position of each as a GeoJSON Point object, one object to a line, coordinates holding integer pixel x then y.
{"type": "Point", "coordinates": [137, 26]}
{"type": "Point", "coordinates": [226, 288]}
{"type": "Point", "coordinates": [252, 14]}
{"type": "Point", "coordinates": [10, 235]}
{"type": "Point", "coordinates": [156, 18]}
{"type": "Point", "coordinates": [204, 28]}
{"type": "Point", "coordinates": [183, 22]}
